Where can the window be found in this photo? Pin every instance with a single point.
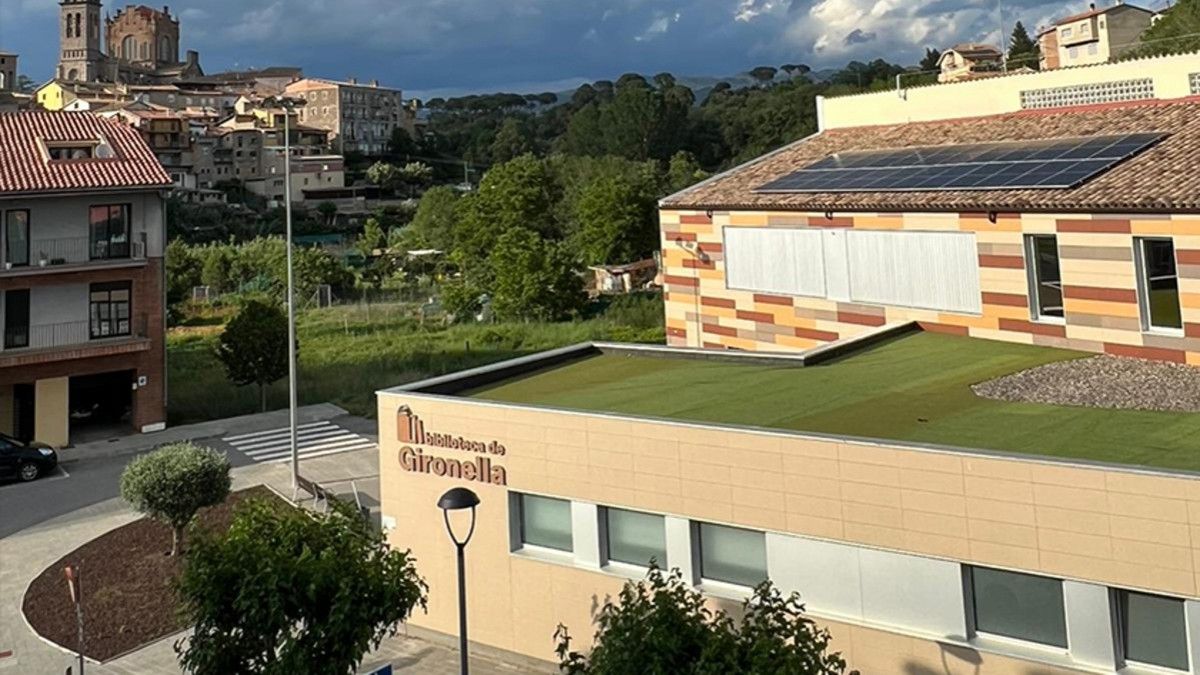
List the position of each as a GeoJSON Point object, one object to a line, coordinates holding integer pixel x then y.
{"type": "Point", "coordinates": [1093, 49]}
{"type": "Point", "coordinates": [1085, 28]}
{"type": "Point", "coordinates": [109, 231]}
{"type": "Point", "coordinates": [16, 319]}
{"type": "Point", "coordinates": [1073, 52]}
{"type": "Point", "coordinates": [1153, 630]}
{"type": "Point", "coordinates": [732, 555]}
{"type": "Point", "coordinates": [1066, 32]}
{"type": "Point", "coordinates": [546, 522]}
{"type": "Point", "coordinates": [109, 309]}
{"type": "Point", "coordinates": [1158, 283]}
{"type": "Point", "coordinates": [16, 238]}
{"type": "Point", "coordinates": [1045, 281]}
{"type": "Point", "coordinates": [635, 538]}
{"type": "Point", "coordinates": [1020, 606]}
{"type": "Point", "coordinates": [68, 151]}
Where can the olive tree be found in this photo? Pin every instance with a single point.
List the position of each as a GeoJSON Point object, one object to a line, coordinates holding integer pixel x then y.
{"type": "Point", "coordinates": [662, 625]}
{"type": "Point", "coordinates": [174, 482]}
{"type": "Point", "coordinates": [290, 591]}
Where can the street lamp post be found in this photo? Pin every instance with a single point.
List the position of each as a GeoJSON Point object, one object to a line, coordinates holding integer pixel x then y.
{"type": "Point", "coordinates": [291, 291]}
{"type": "Point", "coordinates": [457, 499]}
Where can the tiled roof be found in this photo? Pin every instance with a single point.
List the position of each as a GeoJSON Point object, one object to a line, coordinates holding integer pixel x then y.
{"type": "Point", "coordinates": [1098, 11]}
{"type": "Point", "coordinates": [1164, 178]}
{"type": "Point", "coordinates": [23, 167]}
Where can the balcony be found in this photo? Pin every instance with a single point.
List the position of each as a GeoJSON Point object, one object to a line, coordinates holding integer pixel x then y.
{"type": "Point", "coordinates": [29, 345]}
{"type": "Point", "coordinates": [72, 254]}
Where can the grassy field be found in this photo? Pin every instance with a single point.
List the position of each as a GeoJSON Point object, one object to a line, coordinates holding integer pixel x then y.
{"type": "Point", "coordinates": [914, 388]}
{"type": "Point", "coordinates": [347, 353]}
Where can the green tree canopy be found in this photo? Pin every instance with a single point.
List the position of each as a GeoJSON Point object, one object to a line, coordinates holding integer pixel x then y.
{"type": "Point", "coordinates": [535, 279]}
{"type": "Point", "coordinates": [1176, 32]}
{"type": "Point", "coordinates": [1023, 51]}
{"type": "Point", "coordinates": [929, 62]}
{"type": "Point", "coordinates": [253, 347]}
{"type": "Point", "coordinates": [174, 482]}
{"type": "Point", "coordinates": [616, 219]}
{"type": "Point", "coordinates": [289, 591]}
{"type": "Point", "coordinates": [433, 225]}
{"type": "Point", "coordinates": [517, 194]}
{"type": "Point", "coordinates": [511, 141]}
{"type": "Point", "coordinates": [662, 625]}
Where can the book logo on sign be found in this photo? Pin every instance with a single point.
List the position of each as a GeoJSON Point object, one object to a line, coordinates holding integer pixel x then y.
{"type": "Point", "coordinates": [410, 430]}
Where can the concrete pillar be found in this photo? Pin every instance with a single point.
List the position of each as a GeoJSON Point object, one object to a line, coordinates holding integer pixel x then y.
{"type": "Point", "coordinates": [7, 423]}
{"type": "Point", "coordinates": [52, 413]}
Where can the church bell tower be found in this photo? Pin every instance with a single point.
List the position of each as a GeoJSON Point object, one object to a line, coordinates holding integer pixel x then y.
{"type": "Point", "coordinates": [79, 58]}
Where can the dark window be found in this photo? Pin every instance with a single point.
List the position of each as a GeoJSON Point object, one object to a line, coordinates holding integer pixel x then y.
{"type": "Point", "coordinates": [16, 238]}
{"type": "Point", "coordinates": [1159, 282]}
{"type": "Point", "coordinates": [1021, 606]}
{"type": "Point", "coordinates": [109, 309]}
{"type": "Point", "coordinates": [59, 152]}
{"type": "Point", "coordinates": [109, 231]}
{"type": "Point", "coordinates": [1153, 629]}
{"type": "Point", "coordinates": [16, 319]}
{"type": "Point", "coordinates": [1045, 280]}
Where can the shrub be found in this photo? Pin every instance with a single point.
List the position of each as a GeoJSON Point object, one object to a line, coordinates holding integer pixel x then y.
{"type": "Point", "coordinates": [174, 482]}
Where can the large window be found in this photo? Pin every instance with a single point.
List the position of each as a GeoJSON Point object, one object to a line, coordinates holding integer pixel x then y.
{"type": "Point", "coordinates": [788, 261]}
{"type": "Point", "coordinates": [1158, 284]}
{"type": "Point", "coordinates": [1045, 280]}
{"type": "Point", "coordinates": [732, 555]}
{"type": "Point", "coordinates": [545, 522]}
{"type": "Point", "coordinates": [16, 318]}
{"type": "Point", "coordinates": [109, 231]}
{"type": "Point", "coordinates": [1153, 630]}
{"type": "Point", "coordinates": [109, 309]}
{"type": "Point", "coordinates": [1020, 606]}
{"type": "Point", "coordinates": [635, 538]}
{"type": "Point", "coordinates": [16, 238]}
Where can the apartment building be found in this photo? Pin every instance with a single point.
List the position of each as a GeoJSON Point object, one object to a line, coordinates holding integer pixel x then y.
{"type": "Point", "coordinates": [358, 117]}
{"type": "Point", "coordinates": [1098, 35]}
{"type": "Point", "coordinates": [81, 203]}
{"type": "Point", "coordinates": [309, 172]}
{"type": "Point", "coordinates": [965, 61]}
{"type": "Point", "coordinates": [831, 309]}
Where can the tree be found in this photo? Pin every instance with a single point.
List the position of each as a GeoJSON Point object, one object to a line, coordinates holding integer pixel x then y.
{"type": "Point", "coordinates": [535, 279]}
{"type": "Point", "coordinates": [510, 142]}
{"type": "Point", "coordinates": [683, 171]}
{"type": "Point", "coordinates": [616, 220]}
{"type": "Point", "coordinates": [26, 84]}
{"type": "Point", "coordinates": [290, 591]}
{"type": "Point", "coordinates": [386, 176]}
{"type": "Point", "coordinates": [182, 270]}
{"type": "Point", "coordinates": [521, 193]}
{"type": "Point", "coordinates": [930, 61]}
{"type": "Point", "coordinates": [415, 176]}
{"type": "Point", "coordinates": [1176, 32]}
{"type": "Point", "coordinates": [763, 73]}
{"type": "Point", "coordinates": [328, 212]}
{"type": "Point", "coordinates": [372, 238]}
{"type": "Point", "coordinates": [216, 267]}
{"type": "Point", "coordinates": [174, 482]}
{"type": "Point", "coordinates": [1022, 50]}
{"type": "Point", "coordinates": [662, 625]}
{"type": "Point", "coordinates": [253, 347]}
{"type": "Point", "coordinates": [433, 225]}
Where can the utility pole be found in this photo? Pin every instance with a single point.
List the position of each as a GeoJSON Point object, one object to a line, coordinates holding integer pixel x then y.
{"type": "Point", "coordinates": [1003, 44]}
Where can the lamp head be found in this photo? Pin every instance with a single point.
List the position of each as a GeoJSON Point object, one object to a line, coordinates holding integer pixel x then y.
{"type": "Point", "coordinates": [457, 499]}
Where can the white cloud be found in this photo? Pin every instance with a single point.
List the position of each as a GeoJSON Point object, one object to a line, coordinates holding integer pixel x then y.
{"type": "Point", "coordinates": [659, 26]}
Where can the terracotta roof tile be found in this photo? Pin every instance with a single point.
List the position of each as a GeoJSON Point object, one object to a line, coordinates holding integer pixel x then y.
{"type": "Point", "coordinates": [1164, 178]}
{"type": "Point", "coordinates": [23, 167]}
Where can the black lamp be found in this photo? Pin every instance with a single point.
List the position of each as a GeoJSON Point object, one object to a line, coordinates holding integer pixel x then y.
{"type": "Point", "coordinates": [457, 499]}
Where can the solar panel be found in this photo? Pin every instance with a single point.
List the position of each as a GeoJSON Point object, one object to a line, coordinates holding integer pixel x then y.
{"type": "Point", "coordinates": [1049, 163]}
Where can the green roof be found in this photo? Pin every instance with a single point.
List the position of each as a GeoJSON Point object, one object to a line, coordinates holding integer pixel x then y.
{"type": "Point", "coordinates": [914, 388]}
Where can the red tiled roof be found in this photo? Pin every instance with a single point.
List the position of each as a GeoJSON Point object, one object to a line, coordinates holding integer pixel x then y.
{"type": "Point", "coordinates": [1162, 179]}
{"type": "Point", "coordinates": [23, 167]}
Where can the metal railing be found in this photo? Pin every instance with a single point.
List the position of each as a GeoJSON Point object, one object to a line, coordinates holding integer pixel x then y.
{"type": "Point", "coordinates": [69, 333]}
{"type": "Point", "coordinates": [48, 252]}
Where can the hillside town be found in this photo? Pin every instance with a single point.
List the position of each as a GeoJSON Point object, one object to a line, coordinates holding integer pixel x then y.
{"type": "Point", "coordinates": [813, 368]}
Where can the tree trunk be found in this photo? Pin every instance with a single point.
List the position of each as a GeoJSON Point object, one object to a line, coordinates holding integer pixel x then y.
{"type": "Point", "coordinates": [176, 540]}
{"type": "Point", "coordinates": [262, 397]}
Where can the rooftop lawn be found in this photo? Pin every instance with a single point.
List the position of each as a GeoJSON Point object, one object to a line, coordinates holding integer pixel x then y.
{"type": "Point", "coordinates": [913, 388]}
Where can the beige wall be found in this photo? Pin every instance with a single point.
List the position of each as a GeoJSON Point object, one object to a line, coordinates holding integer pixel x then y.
{"type": "Point", "coordinates": [998, 95]}
{"type": "Point", "coordinates": [1118, 527]}
{"type": "Point", "coordinates": [52, 411]}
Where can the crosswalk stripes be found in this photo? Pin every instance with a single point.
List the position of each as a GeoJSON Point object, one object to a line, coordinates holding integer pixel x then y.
{"type": "Point", "coordinates": [315, 439]}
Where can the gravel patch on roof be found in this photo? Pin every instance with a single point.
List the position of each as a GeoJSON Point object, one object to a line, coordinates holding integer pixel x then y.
{"type": "Point", "coordinates": [1102, 382]}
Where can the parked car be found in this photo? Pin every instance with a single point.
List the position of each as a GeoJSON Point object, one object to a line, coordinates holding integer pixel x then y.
{"type": "Point", "coordinates": [25, 461]}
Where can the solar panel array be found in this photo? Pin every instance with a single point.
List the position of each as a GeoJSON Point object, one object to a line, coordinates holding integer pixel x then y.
{"type": "Point", "coordinates": [1051, 163]}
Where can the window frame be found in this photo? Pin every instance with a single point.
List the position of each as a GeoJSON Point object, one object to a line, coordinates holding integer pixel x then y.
{"type": "Point", "coordinates": [1118, 602]}
{"type": "Point", "coordinates": [698, 548]}
{"type": "Point", "coordinates": [1034, 281]}
{"type": "Point", "coordinates": [126, 211]}
{"type": "Point", "coordinates": [972, 612]}
{"type": "Point", "coordinates": [1144, 290]}
{"type": "Point", "coordinates": [8, 259]}
{"type": "Point", "coordinates": [113, 320]}
{"type": "Point", "coordinates": [606, 539]}
{"type": "Point", "coordinates": [523, 542]}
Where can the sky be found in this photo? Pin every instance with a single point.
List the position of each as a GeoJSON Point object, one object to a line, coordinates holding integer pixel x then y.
{"type": "Point", "coordinates": [438, 47]}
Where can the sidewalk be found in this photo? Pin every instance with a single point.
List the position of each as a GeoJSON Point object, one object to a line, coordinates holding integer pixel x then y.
{"type": "Point", "coordinates": [24, 555]}
{"type": "Point", "coordinates": [229, 426]}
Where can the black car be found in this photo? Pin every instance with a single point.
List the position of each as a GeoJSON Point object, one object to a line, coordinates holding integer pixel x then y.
{"type": "Point", "coordinates": [25, 461]}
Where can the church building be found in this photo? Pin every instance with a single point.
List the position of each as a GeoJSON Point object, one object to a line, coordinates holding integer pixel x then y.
{"type": "Point", "coordinates": [139, 44]}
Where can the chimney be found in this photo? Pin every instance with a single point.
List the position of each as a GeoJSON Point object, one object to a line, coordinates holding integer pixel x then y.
{"type": "Point", "coordinates": [375, 83]}
{"type": "Point", "coordinates": [353, 80]}
{"type": "Point", "coordinates": [193, 57]}
{"type": "Point", "coordinates": [167, 10]}
{"type": "Point", "coordinates": [1092, 6]}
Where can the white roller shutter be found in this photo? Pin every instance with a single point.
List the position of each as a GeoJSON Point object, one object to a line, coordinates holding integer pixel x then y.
{"type": "Point", "coordinates": [787, 261]}
{"type": "Point", "coordinates": [928, 270]}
